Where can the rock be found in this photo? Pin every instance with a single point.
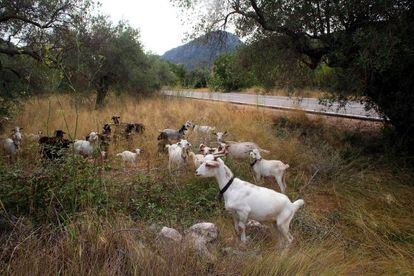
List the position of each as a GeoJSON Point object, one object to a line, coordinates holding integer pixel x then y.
{"type": "Point", "coordinates": [255, 228]}
{"type": "Point", "coordinates": [155, 228]}
{"type": "Point", "coordinates": [204, 231]}
{"type": "Point", "coordinates": [199, 235]}
{"type": "Point", "coordinates": [170, 234]}
{"type": "Point", "coordinates": [254, 224]}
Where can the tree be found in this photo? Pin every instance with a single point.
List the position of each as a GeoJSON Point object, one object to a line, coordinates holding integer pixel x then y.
{"type": "Point", "coordinates": [28, 29]}
{"type": "Point", "coordinates": [228, 75]}
{"type": "Point", "coordinates": [369, 44]}
{"type": "Point", "coordinates": [101, 56]}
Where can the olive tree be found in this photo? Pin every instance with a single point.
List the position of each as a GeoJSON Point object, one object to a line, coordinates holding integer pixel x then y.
{"type": "Point", "coordinates": [101, 56]}
{"type": "Point", "coordinates": [28, 29]}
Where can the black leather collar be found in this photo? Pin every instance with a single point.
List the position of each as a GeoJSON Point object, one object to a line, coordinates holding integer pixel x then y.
{"type": "Point", "coordinates": [222, 191]}
{"type": "Point", "coordinates": [254, 162]}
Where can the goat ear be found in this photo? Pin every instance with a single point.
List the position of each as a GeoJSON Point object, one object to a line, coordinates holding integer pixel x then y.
{"type": "Point", "coordinates": [225, 133]}
{"type": "Point", "coordinates": [212, 164]}
{"type": "Point", "coordinates": [214, 133]}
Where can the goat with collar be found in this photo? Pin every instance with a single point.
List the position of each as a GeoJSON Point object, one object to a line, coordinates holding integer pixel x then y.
{"type": "Point", "coordinates": [247, 201]}
{"type": "Point", "coordinates": [268, 168]}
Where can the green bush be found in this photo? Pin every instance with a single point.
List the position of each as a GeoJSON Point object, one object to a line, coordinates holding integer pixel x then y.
{"type": "Point", "coordinates": [160, 200]}
{"type": "Point", "coordinates": [54, 191]}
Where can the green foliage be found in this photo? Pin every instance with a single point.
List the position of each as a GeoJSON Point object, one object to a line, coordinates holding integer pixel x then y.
{"type": "Point", "coordinates": [54, 192]}
{"type": "Point", "coordinates": [227, 74]}
{"type": "Point", "coordinates": [179, 72]}
{"type": "Point", "coordinates": [22, 77]}
{"type": "Point", "coordinates": [104, 56]}
{"type": "Point", "coordinates": [196, 78]}
{"type": "Point", "coordinates": [162, 201]}
{"type": "Point", "coordinates": [71, 48]}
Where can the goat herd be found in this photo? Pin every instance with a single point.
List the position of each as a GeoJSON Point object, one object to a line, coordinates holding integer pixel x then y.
{"type": "Point", "coordinates": [242, 199]}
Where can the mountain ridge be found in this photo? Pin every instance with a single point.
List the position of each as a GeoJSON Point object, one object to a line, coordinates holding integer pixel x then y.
{"type": "Point", "coordinates": [202, 51]}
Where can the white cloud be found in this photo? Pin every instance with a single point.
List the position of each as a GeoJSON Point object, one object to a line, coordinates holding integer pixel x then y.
{"type": "Point", "coordinates": [158, 21]}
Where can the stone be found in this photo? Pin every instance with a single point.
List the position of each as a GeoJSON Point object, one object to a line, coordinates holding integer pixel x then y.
{"type": "Point", "coordinates": [205, 231]}
{"type": "Point", "coordinates": [170, 234]}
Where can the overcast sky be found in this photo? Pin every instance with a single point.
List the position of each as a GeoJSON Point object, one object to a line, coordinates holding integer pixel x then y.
{"type": "Point", "coordinates": [158, 21]}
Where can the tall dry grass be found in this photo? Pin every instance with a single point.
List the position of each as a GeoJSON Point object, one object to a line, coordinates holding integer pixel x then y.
{"type": "Point", "coordinates": [357, 218]}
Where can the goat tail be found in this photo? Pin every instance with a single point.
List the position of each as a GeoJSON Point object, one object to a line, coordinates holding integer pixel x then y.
{"type": "Point", "coordinates": [297, 204]}
{"type": "Point", "coordinates": [287, 166]}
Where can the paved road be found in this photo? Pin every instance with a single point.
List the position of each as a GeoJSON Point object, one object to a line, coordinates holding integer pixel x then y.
{"type": "Point", "coordinates": [309, 105]}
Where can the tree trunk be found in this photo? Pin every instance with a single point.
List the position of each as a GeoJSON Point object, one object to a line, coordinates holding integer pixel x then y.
{"type": "Point", "coordinates": [102, 90]}
{"type": "Point", "coordinates": [100, 98]}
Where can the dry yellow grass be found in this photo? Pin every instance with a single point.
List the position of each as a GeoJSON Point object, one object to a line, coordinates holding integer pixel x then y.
{"type": "Point", "coordinates": [357, 218]}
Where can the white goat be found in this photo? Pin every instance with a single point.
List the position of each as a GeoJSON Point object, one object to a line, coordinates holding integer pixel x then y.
{"type": "Point", "coordinates": [17, 135]}
{"type": "Point", "coordinates": [87, 147]}
{"type": "Point", "coordinates": [178, 153]}
{"type": "Point", "coordinates": [129, 156]}
{"type": "Point", "coordinates": [247, 201]}
{"type": "Point", "coordinates": [239, 150]}
{"type": "Point", "coordinates": [34, 137]}
{"type": "Point", "coordinates": [203, 129]}
{"type": "Point", "coordinates": [198, 159]}
{"type": "Point", "coordinates": [266, 168]}
{"type": "Point", "coordinates": [12, 145]}
{"type": "Point", "coordinates": [220, 136]}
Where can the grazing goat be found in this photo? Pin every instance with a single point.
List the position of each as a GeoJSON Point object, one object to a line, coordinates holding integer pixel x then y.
{"type": "Point", "coordinates": [87, 147]}
{"type": "Point", "coordinates": [220, 136]}
{"type": "Point", "coordinates": [52, 147]}
{"type": "Point", "coordinates": [12, 145]}
{"type": "Point", "coordinates": [116, 119]}
{"type": "Point", "coordinates": [207, 150]}
{"type": "Point", "coordinates": [127, 129]}
{"type": "Point", "coordinates": [247, 201]}
{"type": "Point", "coordinates": [132, 128]}
{"type": "Point", "coordinates": [34, 137]}
{"type": "Point", "coordinates": [198, 159]}
{"type": "Point", "coordinates": [178, 154]}
{"type": "Point", "coordinates": [129, 156]}
{"type": "Point", "coordinates": [267, 168]}
{"type": "Point", "coordinates": [106, 130]}
{"type": "Point", "coordinates": [238, 150]}
{"type": "Point", "coordinates": [174, 135]}
{"type": "Point", "coordinates": [203, 129]}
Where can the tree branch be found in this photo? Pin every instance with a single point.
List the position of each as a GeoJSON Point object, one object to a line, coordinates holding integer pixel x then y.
{"type": "Point", "coordinates": [14, 51]}
{"type": "Point", "coordinates": [15, 16]}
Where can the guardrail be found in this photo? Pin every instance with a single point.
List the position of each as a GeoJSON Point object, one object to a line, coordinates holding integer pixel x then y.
{"type": "Point", "coordinates": [352, 110]}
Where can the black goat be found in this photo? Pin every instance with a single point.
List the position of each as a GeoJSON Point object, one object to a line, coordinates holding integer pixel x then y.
{"type": "Point", "coordinates": [52, 147]}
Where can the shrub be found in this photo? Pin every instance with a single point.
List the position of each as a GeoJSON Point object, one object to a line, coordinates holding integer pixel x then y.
{"type": "Point", "coordinates": [54, 191]}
